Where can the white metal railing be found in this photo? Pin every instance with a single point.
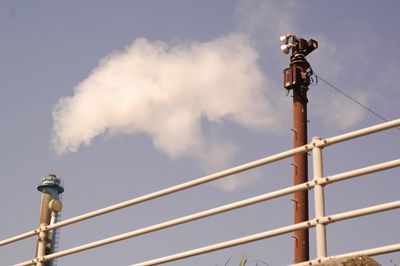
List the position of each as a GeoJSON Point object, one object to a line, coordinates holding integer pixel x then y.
{"type": "Point", "coordinates": [318, 184]}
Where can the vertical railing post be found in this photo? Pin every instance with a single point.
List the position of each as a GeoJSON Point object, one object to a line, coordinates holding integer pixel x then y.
{"type": "Point", "coordinates": [319, 200]}
{"type": "Point", "coordinates": [41, 246]}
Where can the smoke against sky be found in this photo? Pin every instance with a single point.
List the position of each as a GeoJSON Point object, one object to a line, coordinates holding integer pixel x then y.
{"type": "Point", "coordinates": [165, 92]}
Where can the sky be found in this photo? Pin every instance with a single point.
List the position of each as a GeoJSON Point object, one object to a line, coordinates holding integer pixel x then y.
{"type": "Point", "coordinates": [124, 98]}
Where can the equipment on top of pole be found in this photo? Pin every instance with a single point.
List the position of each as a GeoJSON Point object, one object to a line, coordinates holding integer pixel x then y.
{"type": "Point", "coordinates": [296, 78]}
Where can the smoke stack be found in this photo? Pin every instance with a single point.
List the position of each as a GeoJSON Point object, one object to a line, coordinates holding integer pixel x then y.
{"type": "Point", "coordinates": [51, 205]}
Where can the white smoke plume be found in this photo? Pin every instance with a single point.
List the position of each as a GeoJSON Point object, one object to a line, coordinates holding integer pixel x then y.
{"type": "Point", "coordinates": [165, 92]}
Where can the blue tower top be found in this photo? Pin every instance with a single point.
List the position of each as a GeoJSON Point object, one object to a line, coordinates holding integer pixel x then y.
{"type": "Point", "coordinates": [51, 184]}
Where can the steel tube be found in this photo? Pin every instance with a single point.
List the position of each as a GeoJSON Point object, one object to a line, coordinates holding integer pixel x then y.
{"type": "Point", "coordinates": [324, 220]}
{"type": "Point", "coordinates": [329, 179]}
{"type": "Point", "coordinates": [372, 251]}
{"type": "Point", "coordinates": [359, 133]}
{"type": "Point", "coordinates": [164, 192]}
{"type": "Point", "coordinates": [367, 252]}
{"type": "Point", "coordinates": [360, 212]}
{"type": "Point", "coordinates": [181, 220]}
{"type": "Point", "coordinates": [183, 186]}
{"type": "Point", "coordinates": [227, 244]}
{"type": "Point", "coordinates": [282, 230]}
{"type": "Point", "coordinates": [361, 171]}
{"type": "Point", "coordinates": [300, 170]}
{"type": "Point", "coordinates": [19, 237]}
{"type": "Point", "coordinates": [319, 198]}
{"type": "Point", "coordinates": [41, 246]}
{"type": "Point", "coordinates": [270, 159]}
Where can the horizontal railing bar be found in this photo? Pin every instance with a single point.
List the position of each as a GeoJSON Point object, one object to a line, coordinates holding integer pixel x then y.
{"type": "Point", "coordinates": [358, 133]}
{"type": "Point", "coordinates": [231, 171]}
{"type": "Point", "coordinates": [239, 241]}
{"type": "Point", "coordinates": [235, 242]}
{"type": "Point", "coordinates": [359, 172]}
{"type": "Point", "coordinates": [19, 237]}
{"type": "Point", "coordinates": [186, 185]}
{"type": "Point", "coordinates": [367, 252]}
{"type": "Point", "coordinates": [228, 244]}
{"type": "Point", "coordinates": [372, 251]}
{"type": "Point", "coordinates": [209, 178]}
{"type": "Point", "coordinates": [360, 212]}
{"type": "Point", "coordinates": [325, 180]}
{"type": "Point", "coordinates": [167, 191]}
{"type": "Point", "coordinates": [232, 206]}
{"type": "Point", "coordinates": [181, 220]}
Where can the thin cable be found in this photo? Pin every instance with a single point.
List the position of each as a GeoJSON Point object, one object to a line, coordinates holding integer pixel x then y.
{"type": "Point", "coordinates": [351, 98]}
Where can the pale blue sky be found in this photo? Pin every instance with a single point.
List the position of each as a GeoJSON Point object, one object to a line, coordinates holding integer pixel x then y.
{"type": "Point", "coordinates": [47, 48]}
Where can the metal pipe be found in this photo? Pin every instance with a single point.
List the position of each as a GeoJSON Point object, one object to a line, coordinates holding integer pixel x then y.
{"type": "Point", "coordinates": [310, 184]}
{"type": "Point", "coordinates": [275, 232]}
{"type": "Point", "coordinates": [215, 176]}
{"type": "Point", "coordinates": [360, 212]}
{"type": "Point", "coordinates": [325, 180]}
{"type": "Point", "coordinates": [43, 242]}
{"type": "Point", "coordinates": [366, 252]}
{"type": "Point", "coordinates": [45, 213]}
{"type": "Point", "coordinates": [300, 171]}
{"type": "Point", "coordinates": [181, 220]}
{"type": "Point", "coordinates": [228, 244]}
{"type": "Point", "coordinates": [239, 241]}
{"type": "Point", "coordinates": [371, 252]}
{"type": "Point", "coordinates": [19, 237]}
{"type": "Point", "coordinates": [164, 192]}
{"type": "Point", "coordinates": [41, 247]}
{"type": "Point", "coordinates": [359, 133]}
{"type": "Point", "coordinates": [53, 220]}
{"type": "Point", "coordinates": [319, 200]}
{"type": "Point", "coordinates": [183, 186]}
{"type": "Point", "coordinates": [361, 171]}
{"type": "Point", "coordinates": [270, 159]}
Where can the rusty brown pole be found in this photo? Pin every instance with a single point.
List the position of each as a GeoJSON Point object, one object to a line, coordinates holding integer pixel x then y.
{"type": "Point", "coordinates": [300, 173]}
{"type": "Point", "coordinates": [297, 78]}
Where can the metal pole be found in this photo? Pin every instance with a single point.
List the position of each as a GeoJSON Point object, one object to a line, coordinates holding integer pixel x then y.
{"type": "Point", "coordinates": [50, 187]}
{"type": "Point", "coordinates": [297, 78]}
{"type": "Point", "coordinates": [319, 200]}
{"type": "Point", "coordinates": [41, 246]}
{"type": "Point", "coordinates": [44, 219]}
{"type": "Point", "coordinates": [300, 171]}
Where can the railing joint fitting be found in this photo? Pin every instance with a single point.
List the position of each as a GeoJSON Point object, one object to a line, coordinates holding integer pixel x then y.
{"type": "Point", "coordinates": [325, 220]}
{"type": "Point", "coordinates": [42, 228]}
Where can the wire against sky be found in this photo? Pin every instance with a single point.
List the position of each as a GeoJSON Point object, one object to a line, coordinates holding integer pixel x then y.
{"type": "Point", "coordinates": [351, 98]}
